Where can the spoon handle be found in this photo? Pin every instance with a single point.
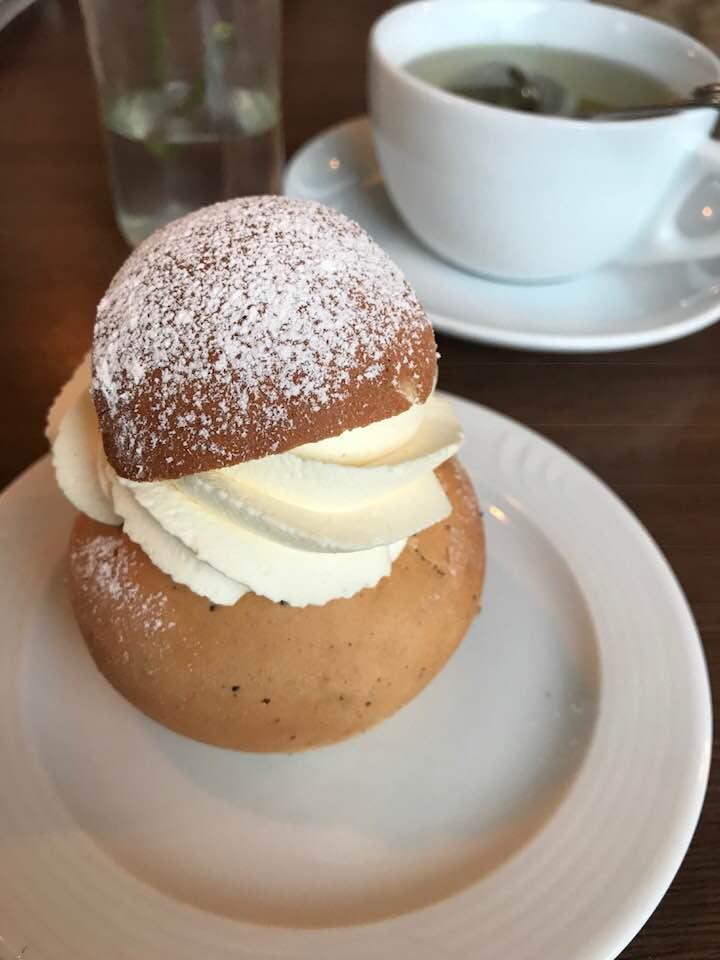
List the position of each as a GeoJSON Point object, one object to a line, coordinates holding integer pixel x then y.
{"type": "Point", "coordinates": [708, 95]}
{"type": "Point", "coordinates": [652, 110]}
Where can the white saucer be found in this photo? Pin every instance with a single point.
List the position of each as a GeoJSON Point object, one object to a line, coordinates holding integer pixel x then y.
{"type": "Point", "coordinates": [617, 308]}
{"type": "Point", "coordinates": [534, 801]}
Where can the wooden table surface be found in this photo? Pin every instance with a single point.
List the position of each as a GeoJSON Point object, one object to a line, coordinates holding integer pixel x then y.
{"type": "Point", "coordinates": [647, 422]}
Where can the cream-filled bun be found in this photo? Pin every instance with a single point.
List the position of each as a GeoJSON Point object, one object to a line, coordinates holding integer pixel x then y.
{"type": "Point", "coordinates": [256, 435]}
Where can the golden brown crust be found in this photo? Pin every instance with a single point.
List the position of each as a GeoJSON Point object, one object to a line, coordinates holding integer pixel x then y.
{"type": "Point", "coordinates": [248, 328]}
{"type": "Point", "coordinates": [261, 676]}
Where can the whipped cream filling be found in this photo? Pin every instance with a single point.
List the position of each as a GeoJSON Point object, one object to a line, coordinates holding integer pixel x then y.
{"type": "Point", "coordinates": [319, 522]}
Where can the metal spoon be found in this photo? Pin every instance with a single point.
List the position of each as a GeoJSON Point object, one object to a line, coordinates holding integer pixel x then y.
{"type": "Point", "coordinates": [506, 85]}
{"type": "Point", "coordinates": [707, 95]}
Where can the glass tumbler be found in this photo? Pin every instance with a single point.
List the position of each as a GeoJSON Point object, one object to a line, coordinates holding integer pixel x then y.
{"type": "Point", "coordinates": [189, 95]}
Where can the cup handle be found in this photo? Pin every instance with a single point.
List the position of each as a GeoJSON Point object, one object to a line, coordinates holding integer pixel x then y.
{"type": "Point", "coordinates": [663, 242]}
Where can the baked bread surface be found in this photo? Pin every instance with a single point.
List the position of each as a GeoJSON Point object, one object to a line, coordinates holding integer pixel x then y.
{"type": "Point", "coordinates": [248, 328]}
{"type": "Point", "coordinates": [261, 676]}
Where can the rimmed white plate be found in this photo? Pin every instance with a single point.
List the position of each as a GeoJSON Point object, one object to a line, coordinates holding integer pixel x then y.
{"type": "Point", "coordinates": [618, 308]}
{"type": "Point", "coordinates": [535, 801]}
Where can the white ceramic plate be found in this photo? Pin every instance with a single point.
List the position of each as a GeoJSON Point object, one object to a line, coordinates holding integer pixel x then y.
{"type": "Point", "coordinates": [534, 802]}
{"type": "Point", "coordinates": [617, 308]}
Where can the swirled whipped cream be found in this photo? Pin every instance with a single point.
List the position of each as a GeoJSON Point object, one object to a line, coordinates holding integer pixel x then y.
{"type": "Point", "coordinates": [319, 522]}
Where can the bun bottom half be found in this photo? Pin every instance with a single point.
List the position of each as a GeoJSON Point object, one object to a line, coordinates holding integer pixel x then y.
{"type": "Point", "coordinates": [266, 677]}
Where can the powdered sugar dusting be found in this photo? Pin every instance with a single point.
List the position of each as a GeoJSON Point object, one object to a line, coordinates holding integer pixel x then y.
{"type": "Point", "coordinates": [245, 312]}
{"type": "Point", "coordinates": [107, 567]}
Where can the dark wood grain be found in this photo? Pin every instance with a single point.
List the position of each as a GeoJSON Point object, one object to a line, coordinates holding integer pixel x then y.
{"type": "Point", "coordinates": [647, 422]}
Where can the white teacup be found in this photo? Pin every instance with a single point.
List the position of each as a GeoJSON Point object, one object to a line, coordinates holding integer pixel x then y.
{"type": "Point", "coordinates": [523, 197]}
